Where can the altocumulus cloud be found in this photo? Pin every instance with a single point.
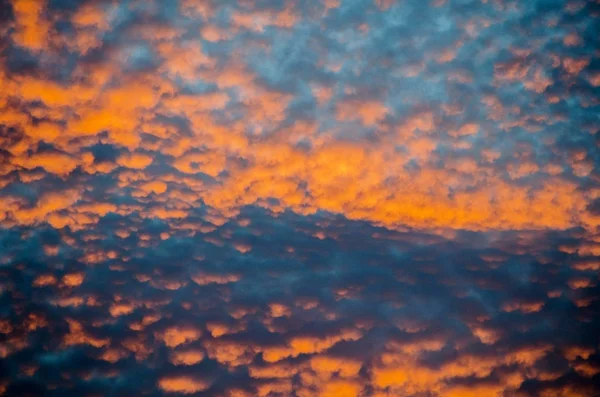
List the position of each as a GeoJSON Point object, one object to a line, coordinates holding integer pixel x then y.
{"type": "Point", "coordinates": [275, 198]}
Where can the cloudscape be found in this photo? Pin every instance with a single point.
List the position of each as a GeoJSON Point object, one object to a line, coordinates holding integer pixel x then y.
{"type": "Point", "coordinates": [335, 198]}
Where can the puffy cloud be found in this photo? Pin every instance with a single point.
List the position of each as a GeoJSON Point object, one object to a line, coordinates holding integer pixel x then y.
{"type": "Point", "coordinates": [32, 27]}
{"type": "Point", "coordinates": [187, 357]}
{"type": "Point", "coordinates": [277, 198]}
{"type": "Point", "coordinates": [177, 335]}
{"type": "Point", "coordinates": [182, 384]}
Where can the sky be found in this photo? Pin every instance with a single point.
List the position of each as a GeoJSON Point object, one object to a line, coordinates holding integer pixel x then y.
{"type": "Point", "coordinates": [334, 198]}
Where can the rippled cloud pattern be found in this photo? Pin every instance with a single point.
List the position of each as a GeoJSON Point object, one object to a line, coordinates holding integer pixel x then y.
{"type": "Point", "coordinates": [335, 198]}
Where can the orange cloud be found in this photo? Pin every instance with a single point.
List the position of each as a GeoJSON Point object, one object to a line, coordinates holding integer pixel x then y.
{"type": "Point", "coordinates": [54, 163]}
{"type": "Point", "coordinates": [333, 365]}
{"type": "Point", "coordinates": [368, 112]}
{"type": "Point", "coordinates": [178, 335]}
{"type": "Point", "coordinates": [135, 161]}
{"type": "Point", "coordinates": [229, 353]}
{"type": "Point", "coordinates": [307, 344]}
{"type": "Point", "coordinates": [187, 357]}
{"type": "Point", "coordinates": [73, 279]}
{"type": "Point", "coordinates": [165, 154]}
{"type": "Point", "coordinates": [205, 279]}
{"type": "Point", "coordinates": [32, 28]}
{"type": "Point", "coordinates": [182, 384]}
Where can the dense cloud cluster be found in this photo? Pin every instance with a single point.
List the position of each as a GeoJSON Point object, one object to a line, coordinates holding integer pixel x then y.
{"type": "Point", "coordinates": [320, 198]}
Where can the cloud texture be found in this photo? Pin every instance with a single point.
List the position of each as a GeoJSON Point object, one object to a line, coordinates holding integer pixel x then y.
{"type": "Point", "coordinates": [320, 198]}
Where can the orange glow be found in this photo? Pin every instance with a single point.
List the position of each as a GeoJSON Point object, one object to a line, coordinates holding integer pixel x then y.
{"type": "Point", "coordinates": [182, 384]}
{"type": "Point", "coordinates": [300, 198]}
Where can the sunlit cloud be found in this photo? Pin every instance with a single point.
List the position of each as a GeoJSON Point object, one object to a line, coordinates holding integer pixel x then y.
{"type": "Point", "coordinates": [329, 198]}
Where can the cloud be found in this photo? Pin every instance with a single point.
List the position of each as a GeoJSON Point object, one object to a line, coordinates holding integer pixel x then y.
{"type": "Point", "coordinates": [327, 198]}
{"type": "Point", "coordinates": [182, 385]}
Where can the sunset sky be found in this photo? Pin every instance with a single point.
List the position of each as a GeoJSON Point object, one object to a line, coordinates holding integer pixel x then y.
{"type": "Point", "coordinates": [334, 198]}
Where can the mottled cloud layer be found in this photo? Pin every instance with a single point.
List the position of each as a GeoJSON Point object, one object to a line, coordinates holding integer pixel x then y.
{"type": "Point", "coordinates": [321, 198]}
